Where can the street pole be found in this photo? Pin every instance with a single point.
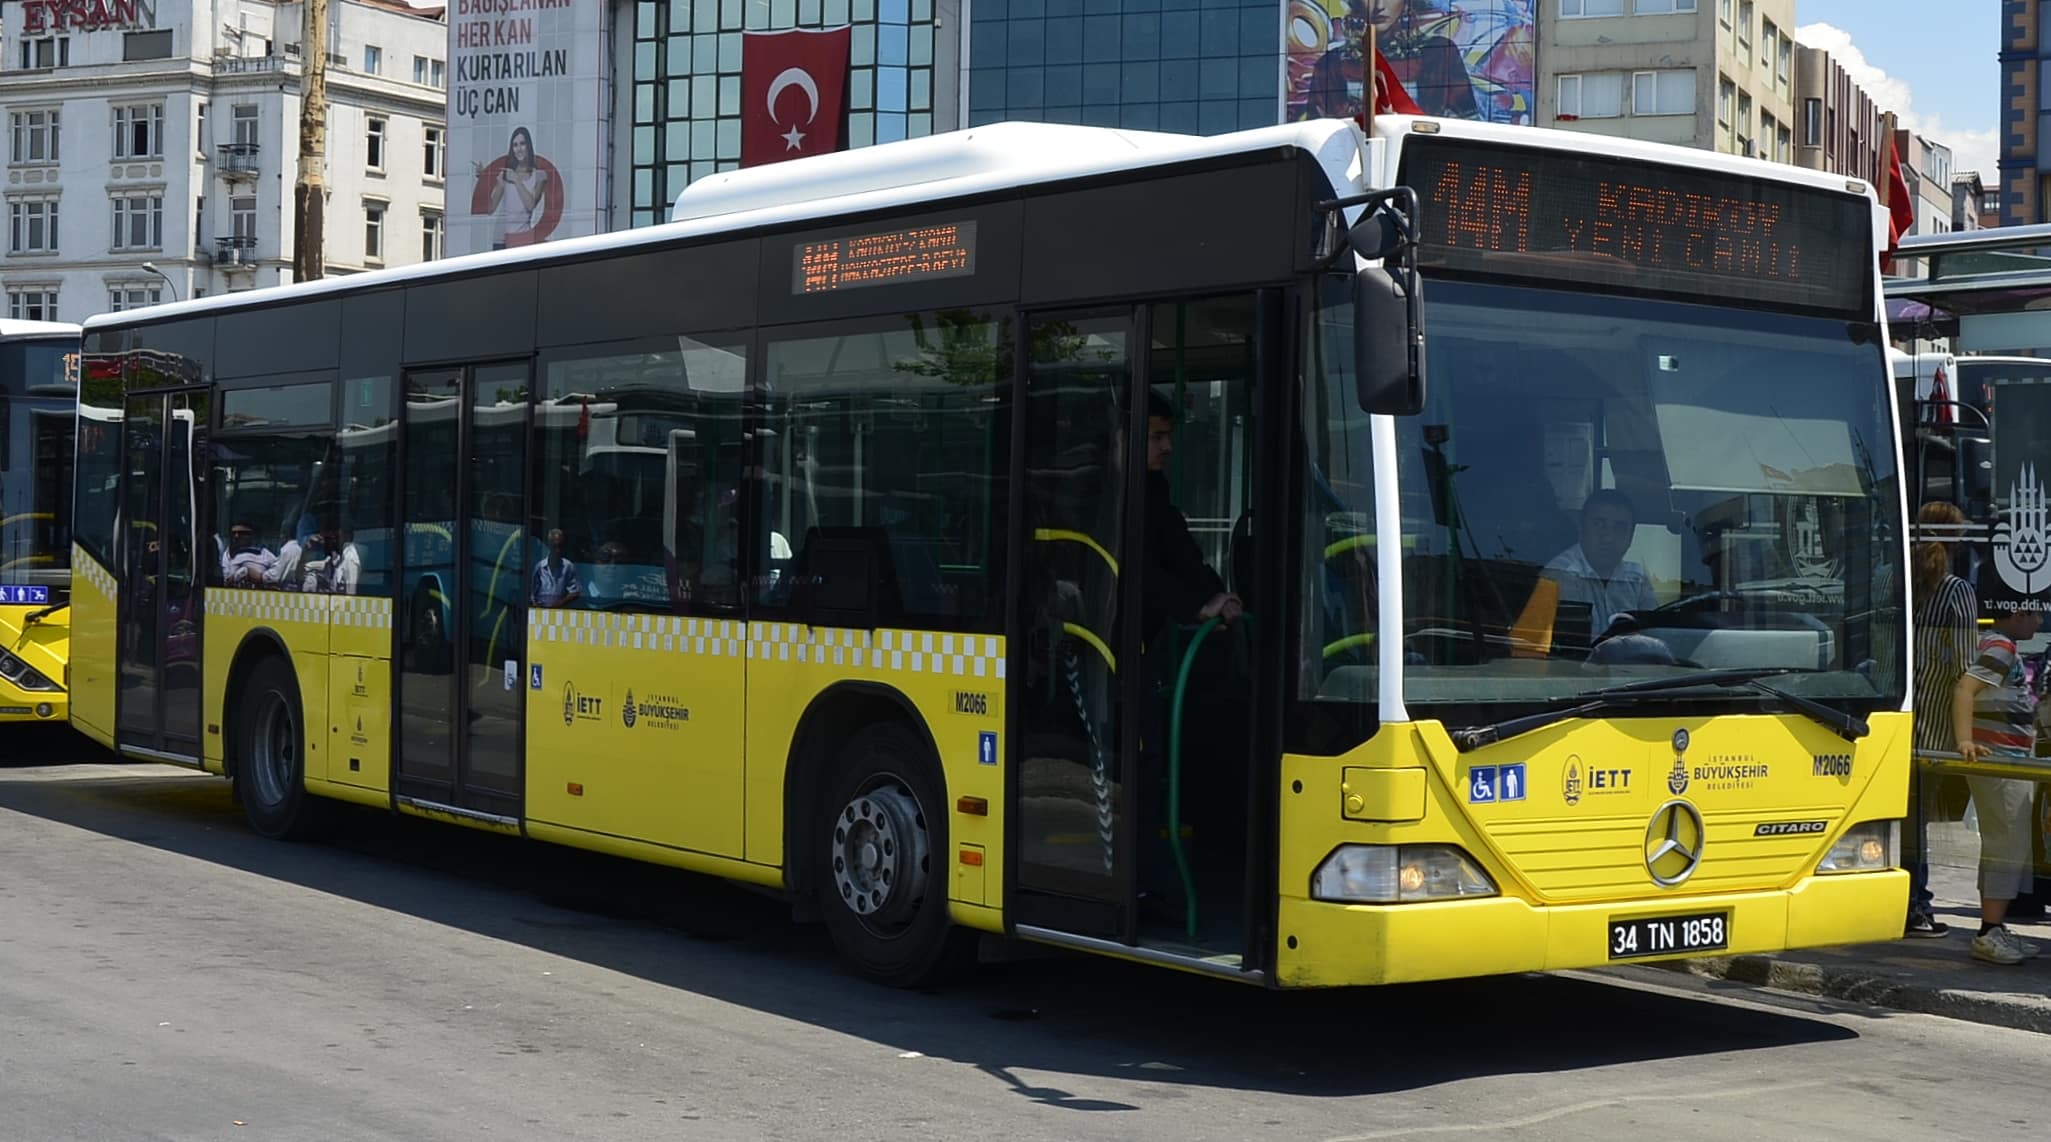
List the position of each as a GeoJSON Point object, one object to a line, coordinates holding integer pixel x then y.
{"type": "Point", "coordinates": [309, 194]}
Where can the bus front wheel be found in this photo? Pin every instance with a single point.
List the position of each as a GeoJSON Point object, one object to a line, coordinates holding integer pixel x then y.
{"type": "Point", "coordinates": [881, 847]}
{"type": "Point", "coordinates": [270, 771]}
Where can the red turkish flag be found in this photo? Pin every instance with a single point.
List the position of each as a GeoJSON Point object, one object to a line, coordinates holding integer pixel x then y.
{"type": "Point", "coordinates": [793, 93]}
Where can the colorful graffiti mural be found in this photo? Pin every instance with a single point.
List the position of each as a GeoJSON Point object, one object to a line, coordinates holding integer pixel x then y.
{"type": "Point", "coordinates": [1468, 59]}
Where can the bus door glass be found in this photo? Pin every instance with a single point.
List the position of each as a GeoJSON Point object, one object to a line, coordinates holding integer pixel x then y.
{"type": "Point", "coordinates": [462, 598]}
{"type": "Point", "coordinates": [1137, 615]}
{"type": "Point", "coordinates": [159, 617]}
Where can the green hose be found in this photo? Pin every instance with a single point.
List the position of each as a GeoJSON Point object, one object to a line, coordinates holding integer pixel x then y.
{"type": "Point", "coordinates": [1196, 641]}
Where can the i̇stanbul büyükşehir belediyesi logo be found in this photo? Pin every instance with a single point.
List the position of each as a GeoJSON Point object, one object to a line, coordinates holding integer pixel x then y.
{"type": "Point", "coordinates": [2022, 543]}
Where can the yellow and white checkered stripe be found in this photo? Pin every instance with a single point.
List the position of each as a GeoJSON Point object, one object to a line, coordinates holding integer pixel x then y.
{"type": "Point", "coordinates": [299, 607]}
{"type": "Point", "coordinates": [84, 567]}
{"type": "Point", "coordinates": [893, 651]}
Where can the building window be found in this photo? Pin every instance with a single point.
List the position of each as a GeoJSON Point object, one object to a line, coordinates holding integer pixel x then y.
{"type": "Point", "coordinates": [1663, 7]}
{"type": "Point", "coordinates": [1723, 12]}
{"type": "Point", "coordinates": [430, 235]}
{"type": "Point", "coordinates": [433, 152]}
{"type": "Point", "coordinates": [1745, 32]}
{"type": "Point", "coordinates": [1743, 141]}
{"type": "Point", "coordinates": [1769, 35]}
{"type": "Point", "coordinates": [139, 131]}
{"type": "Point", "coordinates": [32, 303]}
{"type": "Point", "coordinates": [373, 59]}
{"type": "Point", "coordinates": [35, 137]}
{"type": "Point", "coordinates": [1782, 144]}
{"type": "Point", "coordinates": [242, 217]}
{"type": "Point", "coordinates": [244, 124]}
{"type": "Point", "coordinates": [1596, 95]}
{"type": "Point", "coordinates": [50, 51]}
{"type": "Point", "coordinates": [139, 222]}
{"type": "Point", "coordinates": [373, 231]}
{"type": "Point", "coordinates": [135, 296]}
{"type": "Point", "coordinates": [1591, 7]}
{"type": "Point", "coordinates": [1783, 65]}
{"type": "Point", "coordinates": [374, 144]}
{"type": "Point", "coordinates": [1812, 122]}
{"type": "Point", "coordinates": [428, 72]}
{"type": "Point", "coordinates": [32, 225]}
{"type": "Point", "coordinates": [1663, 92]}
{"type": "Point", "coordinates": [146, 45]}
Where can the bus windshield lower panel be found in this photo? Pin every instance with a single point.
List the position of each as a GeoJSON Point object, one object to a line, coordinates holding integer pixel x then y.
{"type": "Point", "coordinates": [1604, 490]}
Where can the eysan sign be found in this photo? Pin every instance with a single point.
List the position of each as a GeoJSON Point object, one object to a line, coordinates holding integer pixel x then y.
{"type": "Point", "coordinates": [41, 17]}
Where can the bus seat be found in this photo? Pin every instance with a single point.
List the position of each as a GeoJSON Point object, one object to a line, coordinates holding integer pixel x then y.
{"type": "Point", "coordinates": [845, 576]}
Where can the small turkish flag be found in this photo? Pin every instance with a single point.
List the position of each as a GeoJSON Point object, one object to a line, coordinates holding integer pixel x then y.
{"type": "Point", "coordinates": [793, 93]}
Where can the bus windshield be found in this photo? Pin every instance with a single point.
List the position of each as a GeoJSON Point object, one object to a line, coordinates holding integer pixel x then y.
{"type": "Point", "coordinates": [38, 386]}
{"type": "Point", "coordinates": [1604, 489]}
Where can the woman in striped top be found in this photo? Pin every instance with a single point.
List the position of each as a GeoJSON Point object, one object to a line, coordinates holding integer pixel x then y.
{"type": "Point", "coordinates": [1946, 636]}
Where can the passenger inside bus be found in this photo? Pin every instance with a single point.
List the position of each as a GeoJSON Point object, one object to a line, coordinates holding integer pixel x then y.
{"type": "Point", "coordinates": [1179, 586]}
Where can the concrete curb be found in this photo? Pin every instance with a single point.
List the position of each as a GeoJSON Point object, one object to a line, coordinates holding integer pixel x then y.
{"type": "Point", "coordinates": [2017, 1011]}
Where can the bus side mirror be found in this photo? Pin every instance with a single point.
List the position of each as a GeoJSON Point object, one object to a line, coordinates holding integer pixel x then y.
{"type": "Point", "coordinates": [1388, 313]}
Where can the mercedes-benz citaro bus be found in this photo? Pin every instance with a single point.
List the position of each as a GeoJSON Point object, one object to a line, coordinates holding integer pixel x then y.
{"type": "Point", "coordinates": [1305, 556]}
{"type": "Point", "coordinates": [39, 363]}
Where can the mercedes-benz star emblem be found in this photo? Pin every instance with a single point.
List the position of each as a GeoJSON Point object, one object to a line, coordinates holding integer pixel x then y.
{"type": "Point", "coordinates": [1673, 843]}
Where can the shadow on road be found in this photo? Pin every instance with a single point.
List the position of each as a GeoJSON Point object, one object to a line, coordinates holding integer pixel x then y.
{"type": "Point", "coordinates": [1023, 1022]}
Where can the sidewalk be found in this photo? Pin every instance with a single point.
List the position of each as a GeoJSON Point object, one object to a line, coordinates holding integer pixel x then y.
{"type": "Point", "coordinates": [1934, 977]}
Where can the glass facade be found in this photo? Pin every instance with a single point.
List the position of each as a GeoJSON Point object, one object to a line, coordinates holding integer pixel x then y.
{"type": "Point", "coordinates": [1189, 66]}
{"type": "Point", "coordinates": [685, 101]}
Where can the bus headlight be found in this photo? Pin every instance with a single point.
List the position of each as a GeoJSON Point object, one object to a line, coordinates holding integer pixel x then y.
{"type": "Point", "coordinates": [1864, 848]}
{"type": "Point", "coordinates": [1398, 874]}
{"type": "Point", "coordinates": [22, 674]}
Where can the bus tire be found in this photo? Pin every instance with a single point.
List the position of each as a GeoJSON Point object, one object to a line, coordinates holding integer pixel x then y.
{"type": "Point", "coordinates": [270, 755]}
{"type": "Point", "coordinates": [881, 848]}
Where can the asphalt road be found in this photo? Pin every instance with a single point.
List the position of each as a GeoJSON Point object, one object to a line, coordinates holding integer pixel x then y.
{"type": "Point", "coordinates": [166, 974]}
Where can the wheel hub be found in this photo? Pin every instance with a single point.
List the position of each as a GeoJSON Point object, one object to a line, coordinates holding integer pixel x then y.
{"type": "Point", "coordinates": [880, 847]}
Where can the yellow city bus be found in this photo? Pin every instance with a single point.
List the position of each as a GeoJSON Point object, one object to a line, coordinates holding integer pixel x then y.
{"type": "Point", "coordinates": [824, 538]}
{"type": "Point", "coordinates": [39, 363]}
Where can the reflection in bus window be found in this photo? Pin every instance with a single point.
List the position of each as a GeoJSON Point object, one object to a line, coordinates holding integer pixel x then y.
{"type": "Point", "coordinates": [274, 487]}
{"type": "Point", "coordinates": [888, 446]}
{"type": "Point", "coordinates": [639, 468]}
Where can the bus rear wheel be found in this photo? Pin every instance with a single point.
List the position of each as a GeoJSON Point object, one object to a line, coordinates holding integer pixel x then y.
{"type": "Point", "coordinates": [881, 845]}
{"type": "Point", "coordinates": [270, 770]}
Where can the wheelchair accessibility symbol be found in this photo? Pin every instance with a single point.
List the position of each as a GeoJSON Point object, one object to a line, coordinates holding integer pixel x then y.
{"type": "Point", "coordinates": [1487, 784]}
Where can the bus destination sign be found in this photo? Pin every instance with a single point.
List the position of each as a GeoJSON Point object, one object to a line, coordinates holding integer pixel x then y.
{"type": "Point", "coordinates": [1565, 217]}
{"type": "Point", "coordinates": [896, 257]}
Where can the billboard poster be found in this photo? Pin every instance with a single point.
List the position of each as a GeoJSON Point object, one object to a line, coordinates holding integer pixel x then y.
{"type": "Point", "coordinates": [1465, 59]}
{"type": "Point", "coordinates": [526, 122]}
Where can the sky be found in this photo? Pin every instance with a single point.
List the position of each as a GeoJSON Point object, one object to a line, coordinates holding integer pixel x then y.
{"type": "Point", "coordinates": [1939, 73]}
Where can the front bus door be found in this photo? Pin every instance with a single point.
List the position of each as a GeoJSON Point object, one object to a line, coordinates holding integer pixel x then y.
{"type": "Point", "coordinates": [163, 573]}
{"type": "Point", "coordinates": [1101, 766]}
{"type": "Point", "coordinates": [463, 614]}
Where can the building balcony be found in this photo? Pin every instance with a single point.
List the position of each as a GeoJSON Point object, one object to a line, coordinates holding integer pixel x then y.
{"type": "Point", "coordinates": [240, 161]}
{"type": "Point", "coordinates": [237, 252]}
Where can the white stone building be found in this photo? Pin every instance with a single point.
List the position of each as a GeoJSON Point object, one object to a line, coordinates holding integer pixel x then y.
{"type": "Point", "coordinates": [153, 146]}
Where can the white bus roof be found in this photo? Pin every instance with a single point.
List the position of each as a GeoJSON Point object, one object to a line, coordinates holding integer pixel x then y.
{"type": "Point", "coordinates": [21, 330]}
{"type": "Point", "coordinates": [975, 160]}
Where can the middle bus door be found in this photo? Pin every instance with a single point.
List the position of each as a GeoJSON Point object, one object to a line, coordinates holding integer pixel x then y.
{"type": "Point", "coordinates": [462, 619]}
{"type": "Point", "coordinates": [1075, 737]}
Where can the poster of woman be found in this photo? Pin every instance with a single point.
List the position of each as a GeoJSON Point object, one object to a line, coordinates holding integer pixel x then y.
{"type": "Point", "coordinates": [521, 192]}
{"type": "Point", "coordinates": [1468, 59]}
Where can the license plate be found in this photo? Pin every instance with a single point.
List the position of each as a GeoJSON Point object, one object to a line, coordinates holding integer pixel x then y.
{"type": "Point", "coordinates": [1669, 935]}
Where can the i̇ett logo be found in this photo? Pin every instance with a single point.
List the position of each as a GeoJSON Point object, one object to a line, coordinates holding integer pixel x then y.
{"type": "Point", "coordinates": [627, 711]}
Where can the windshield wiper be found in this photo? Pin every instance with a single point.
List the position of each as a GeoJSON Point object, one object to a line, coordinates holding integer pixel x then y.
{"type": "Point", "coordinates": [1848, 726]}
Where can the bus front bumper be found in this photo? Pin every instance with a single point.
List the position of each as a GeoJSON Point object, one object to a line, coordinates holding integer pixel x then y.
{"type": "Point", "coordinates": [1320, 944]}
